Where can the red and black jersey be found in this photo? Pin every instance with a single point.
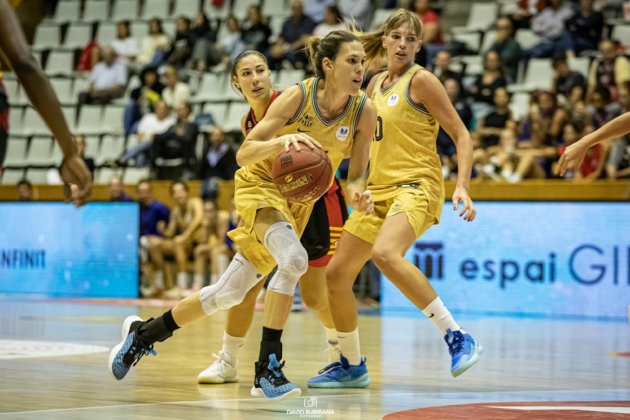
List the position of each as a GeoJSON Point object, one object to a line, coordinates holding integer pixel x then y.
{"type": "Point", "coordinates": [250, 120]}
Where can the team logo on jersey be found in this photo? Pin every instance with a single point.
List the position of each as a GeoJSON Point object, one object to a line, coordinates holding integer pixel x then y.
{"type": "Point", "coordinates": [307, 121]}
{"type": "Point", "coordinates": [342, 133]}
{"type": "Point", "coordinates": [392, 100]}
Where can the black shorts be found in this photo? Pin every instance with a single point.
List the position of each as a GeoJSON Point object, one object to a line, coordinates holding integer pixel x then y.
{"type": "Point", "coordinates": [324, 227]}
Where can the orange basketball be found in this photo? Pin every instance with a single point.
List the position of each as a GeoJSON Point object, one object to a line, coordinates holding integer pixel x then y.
{"type": "Point", "coordinates": [304, 175]}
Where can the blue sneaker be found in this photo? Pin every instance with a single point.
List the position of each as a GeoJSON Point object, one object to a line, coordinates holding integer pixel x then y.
{"type": "Point", "coordinates": [271, 383]}
{"type": "Point", "coordinates": [130, 350]}
{"type": "Point", "coordinates": [341, 374]}
{"type": "Point", "coordinates": [464, 350]}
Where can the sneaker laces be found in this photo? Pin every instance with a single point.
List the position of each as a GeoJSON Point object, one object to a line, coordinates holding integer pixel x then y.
{"type": "Point", "coordinates": [275, 369]}
{"type": "Point", "coordinates": [220, 360]}
{"type": "Point", "coordinates": [455, 342]}
{"type": "Point", "coordinates": [138, 350]}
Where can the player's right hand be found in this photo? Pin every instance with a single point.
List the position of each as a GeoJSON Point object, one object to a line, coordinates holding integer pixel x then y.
{"type": "Point", "coordinates": [77, 180]}
{"type": "Point", "coordinates": [296, 139]}
{"type": "Point", "coordinates": [572, 158]}
{"type": "Point", "coordinates": [363, 202]}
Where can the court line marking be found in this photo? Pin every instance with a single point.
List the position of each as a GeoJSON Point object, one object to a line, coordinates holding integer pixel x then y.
{"type": "Point", "coordinates": [354, 395]}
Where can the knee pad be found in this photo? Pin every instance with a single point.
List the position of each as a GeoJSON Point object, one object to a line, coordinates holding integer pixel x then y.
{"type": "Point", "coordinates": [231, 288]}
{"type": "Point", "coordinates": [291, 266]}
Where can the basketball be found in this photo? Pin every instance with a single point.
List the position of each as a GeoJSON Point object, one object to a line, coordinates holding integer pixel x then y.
{"type": "Point", "coordinates": [302, 176]}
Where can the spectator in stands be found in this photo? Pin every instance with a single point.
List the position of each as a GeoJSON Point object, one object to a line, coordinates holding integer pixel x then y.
{"type": "Point", "coordinates": [177, 143]}
{"type": "Point", "coordinates": [503, 159]}
{"type": "Point", "coordinates": [288, 51]}
{"type": "Point", "coordinates": [181, 48]}
{"type": "Point", "coordinates": [488, 131]}
{"type": "Point", "coordinates": [150, 125]}
{"type": "Point", "coordinates": [442, 68]}
{"type": "Point", "coordinates": [230, 44]}
{"type": "Point", "coordinates": [618, 165]}
{"type": "Point", "coordinates": [154, 45]}
{"type": "Point", "coordinates": [182, 235]}
{"type": "Point", "coordinates": [117, 190]}
{"type": "Point", "coordinates": [107, 80]}
{"type": "Point", "coordinates": [549, 26]}
{"type": "Point", "coordinates": [611, 69]}
{"type": "Point", "coordinates": [218, 163]}
{"type": "Point", "coordinates": [204, 53]}
{"type": "Point", "coordinates": [552, 118]}
{"type": "Point", "coordinates": [175, 92]}
{"type": "Point", "coordinates": [601, 110]}
{"type": "Point", "coordinates": [255, 31]}
{"type": "Point", "coordinates": [125, 45]}
{"type": "Point", "coordinates": [332, 22]}
{"type": "Point", "coordinates": [89, 162]}
{"type": "Point", "coordinates": [594, 162]}
{"type": "Point", "coordinates": [565, 80]}
{"type": "Point", "coordinates": [527, 9]}
{"type": "Point", "coordinates": [445, 146]}
{"type": "Point", "coordinates": [212, 252]}
{"type": "Point", "coordinates": [507, 47]}
{"type": "Point", "coordinates": [585, 29]}
{"type": "Point", "coordinates": [24, 190]}
{"type": "Point", "coordinates": [316, 9]}
{"type": "Point", "coordinates": [483, 88]}
{"type": "Point", "coordinates": [154, 217]}
{"type": "Point", "coordinates": [358, 11]}
{"type": "Point", "coordinates": [142, 99]}
{"type": "Point", "coordinates": [432, 40]}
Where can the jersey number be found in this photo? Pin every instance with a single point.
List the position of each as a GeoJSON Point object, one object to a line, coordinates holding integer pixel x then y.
{"type": "Point", "coordinates": [379, 129]}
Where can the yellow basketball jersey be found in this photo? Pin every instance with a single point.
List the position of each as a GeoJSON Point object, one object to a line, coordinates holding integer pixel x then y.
{"type": "Point", "coordinates": [404, 149]}
{"type": "Point", "coordinates": [336, 136]}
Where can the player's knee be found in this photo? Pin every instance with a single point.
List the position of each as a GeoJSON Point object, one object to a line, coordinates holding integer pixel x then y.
{"type": "Point", "coordinates": [383, 257]}
{"type": "Point", "coordinates": [316, 300]}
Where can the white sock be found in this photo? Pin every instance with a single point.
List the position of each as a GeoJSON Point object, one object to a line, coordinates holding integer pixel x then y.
{"type": "Point", "coordinates": [331, 336]}
{"type": "Point", "coordinates": [213, 279]}
{"type": "Point", "coordinates": [158, 279]}
{"type": "Point", "coordinates": [441, 317]}
{"type": "Point", "coordinates": [198, 281]}
{"type": "Point", "coordinates": [231, 346]}
{"type": "Point", "coordinates": [222, 262]}
{"type": "Point", "coordinates": [350, 346]}
{"type": "Point", "coordinates": [182, 280]}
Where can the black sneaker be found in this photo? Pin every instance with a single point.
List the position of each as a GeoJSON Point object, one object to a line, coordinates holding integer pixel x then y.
{"type": "Point", "coordinates": [271, 383]}
{"type": "Point", "coordinates": [130, 350]}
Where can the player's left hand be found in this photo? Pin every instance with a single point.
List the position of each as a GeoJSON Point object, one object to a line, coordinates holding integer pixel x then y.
{"type": "Point", "coordinates": [77, 180]}
{"type": "Point", "coordinates": [363, 202]}
{"type": "Point", "coordinates": [468, 212]}
{"type": "Point", "coordinates": [179, 239]}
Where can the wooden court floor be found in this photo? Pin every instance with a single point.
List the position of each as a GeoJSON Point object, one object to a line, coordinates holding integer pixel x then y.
{"type": "Point", "coordinates": [531, 368]}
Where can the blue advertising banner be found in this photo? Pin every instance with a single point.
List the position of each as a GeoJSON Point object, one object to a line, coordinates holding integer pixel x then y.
{"type": "Point", "coordinates": [531, 258]}
{"type": "Point", "coordinates": [55, 249]}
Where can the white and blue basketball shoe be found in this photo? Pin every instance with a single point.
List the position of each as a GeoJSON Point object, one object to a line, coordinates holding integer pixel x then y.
{"type": "Point", "coordinates": [464, 350]}
{"type": "Point", "coordinates": [271, 383]}
{"type": "Point", "coordinates": [341, 374]}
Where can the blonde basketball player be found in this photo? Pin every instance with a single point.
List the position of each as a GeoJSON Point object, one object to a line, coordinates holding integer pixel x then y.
{"type": "Point", "coordinates": [252, 77]}
{"type": "Point", "coordinates": [407, 188]}
{"type": "Point", "coordinates": [332, 109]}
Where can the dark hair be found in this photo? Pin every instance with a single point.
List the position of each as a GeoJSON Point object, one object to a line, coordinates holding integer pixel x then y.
{"type": "Point", "coordinates": [159, 25]}
{"type": "Point", "coordinates": [604, 91]}
{"type": "Point", "coordinates": [126, 24]}
{"type": "Point", "coordinates": [328, 47]}
{"type": "Point", "coordinates": [238, 59]}
{"type": "Point", "coordinates": [335, 11]}
{"type": "Point", "coordinates": [26, 182]}
{"type": "Point", "coordinates": [178, 182]}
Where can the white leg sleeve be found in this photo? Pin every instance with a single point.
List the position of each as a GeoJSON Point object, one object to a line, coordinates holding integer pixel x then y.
{"type": "Point", "coordinates": [285, 247]}
{"type": "Point", "coordinates": [231, 288]}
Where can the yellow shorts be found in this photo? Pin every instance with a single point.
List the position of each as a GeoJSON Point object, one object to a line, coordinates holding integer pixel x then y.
{"type": "Point", "coordinates": [249, 197]}
{"type": "Point", "coordinates": [422, 212]}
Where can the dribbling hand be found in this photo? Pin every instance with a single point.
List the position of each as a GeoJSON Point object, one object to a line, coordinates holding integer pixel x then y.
{"type": "Point", "coordinates": [468, 212]}
{"type": "Point", "coordinates": [77, 180]}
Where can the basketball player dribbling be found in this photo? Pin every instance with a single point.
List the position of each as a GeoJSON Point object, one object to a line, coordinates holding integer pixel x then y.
{"type": "Point", "coordinates": [408, 191]}
{"type": "Point", "coordinates": [251, 76]}
{"type": "Point", "coordinates": [343, 120]}
{"type": "Point", "coordinates": [15, 49]}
